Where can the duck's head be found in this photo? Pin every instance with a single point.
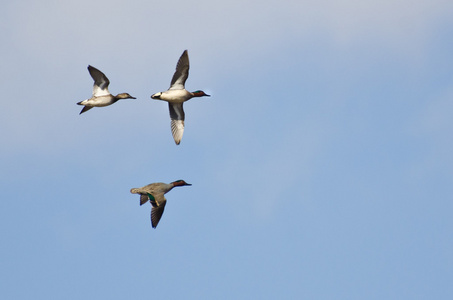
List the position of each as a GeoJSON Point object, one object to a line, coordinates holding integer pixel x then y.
{"type": "Point", "coordinates": [124, 96]}
{"type": "Point", "coordinates": [180, 183]}
{"type": "Point", "coordinates": [200, 94]}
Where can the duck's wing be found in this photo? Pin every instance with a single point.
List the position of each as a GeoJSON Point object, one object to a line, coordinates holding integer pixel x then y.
{"type": "Point", "coordinates": [181, 73]}
{"type": "Point", "coordinates": [177, 121]}
{"type": "Point", "coordinates": [158, 209]}
{"type": "Point", "coordinates": [101, 82]}
{"type": "Point", "coordinates": [143, 199]}
{"type": "Point", "coordinates": [84, 109]}
{"type": "Point", "coordinates": [146, 192]}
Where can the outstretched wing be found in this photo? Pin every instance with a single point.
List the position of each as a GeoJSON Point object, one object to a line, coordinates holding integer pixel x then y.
{"type": "Point", "coordinates": [158, 202]}
{"type": "Point", "coordinates": [182, 72]}
{"type": "Point", "coordinates": [101, 82]}
{"type": "Point", "coordinates": [84, 109]}
{"type": "Point", "coordinates": [177, 121]}
{"type": "Point", "coordinates": [143, 199]}
{"type": "Point", "coordinates": [157, 210]}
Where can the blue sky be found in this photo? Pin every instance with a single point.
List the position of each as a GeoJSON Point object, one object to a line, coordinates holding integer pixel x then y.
{"type": "Point", "coordinates": [321, 165]}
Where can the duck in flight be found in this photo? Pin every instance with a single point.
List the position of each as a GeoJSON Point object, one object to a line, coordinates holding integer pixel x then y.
{"type": "Point", "coordinates": [101, 95]}
{"type": "Point", "coordinates": [154, 192]}
{"type": "Point", "coordinates": [176, 95]}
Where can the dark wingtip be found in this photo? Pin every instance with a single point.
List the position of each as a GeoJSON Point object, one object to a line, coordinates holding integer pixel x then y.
{"type": "Point", "coordinates": [84, 109]}
{"type": "Point", "coordinates": [152, 225]}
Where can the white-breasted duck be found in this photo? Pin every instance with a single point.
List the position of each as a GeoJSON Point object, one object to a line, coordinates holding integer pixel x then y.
{"type": "Point", "coordinates": [101, 95]}
{"type": "Point", "coordinates": [176, 95]}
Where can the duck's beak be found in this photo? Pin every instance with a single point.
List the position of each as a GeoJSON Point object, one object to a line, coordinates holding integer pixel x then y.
{"type": "Point", "coordinates": [133, 97]}
{"type": "Point", "coordinates": [188, 183]}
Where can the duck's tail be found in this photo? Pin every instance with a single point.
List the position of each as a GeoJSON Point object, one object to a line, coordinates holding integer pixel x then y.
{"type": "Point", "coordinates": [143, 198]}
{"type": "Point", "coordinates": [156, 95]}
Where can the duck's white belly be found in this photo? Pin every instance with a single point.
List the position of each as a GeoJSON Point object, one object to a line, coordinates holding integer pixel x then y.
{"type": "Point", "coordinates": [175, 95]}
{"type": "Point", "coordinates": [99, 101]}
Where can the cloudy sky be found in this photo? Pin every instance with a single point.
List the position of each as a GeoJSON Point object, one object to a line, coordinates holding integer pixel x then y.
{"type": "Point", "coordinates": [321, 165]}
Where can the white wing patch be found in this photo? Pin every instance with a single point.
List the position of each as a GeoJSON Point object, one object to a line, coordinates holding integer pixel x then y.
{"type": "Point", "coordinates": [98, 92]}
{"type": "Point", "coordinates": [101, 82]}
